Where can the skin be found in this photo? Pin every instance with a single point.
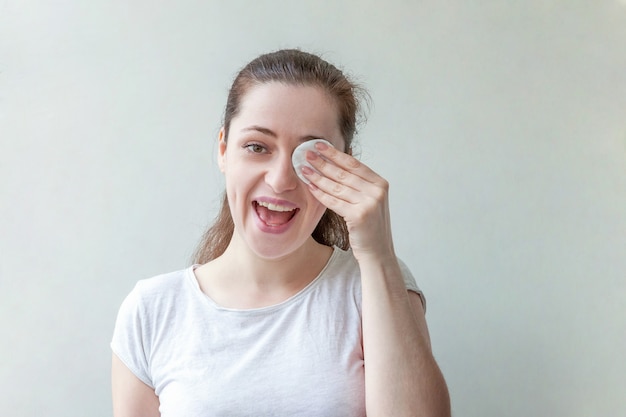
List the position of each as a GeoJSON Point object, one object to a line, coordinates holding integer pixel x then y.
{"type": "Point", "coordinates": [401, 375]}
{"type": "Point", "coordinates": [259, 268]}
{"type": "Point", "coordinates": [263, 264]}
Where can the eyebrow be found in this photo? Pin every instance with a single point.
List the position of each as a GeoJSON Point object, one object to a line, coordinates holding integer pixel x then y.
{"type": "Point", "coordinates": [260, 129]}
{"type": "Point", "coordinates": [271, 133]}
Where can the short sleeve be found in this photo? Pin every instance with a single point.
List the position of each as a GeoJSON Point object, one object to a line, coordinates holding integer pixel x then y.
{"type": "Point", "coordinates": [129, 342]}
{"type": "Point", "coordinates": [409, 282]}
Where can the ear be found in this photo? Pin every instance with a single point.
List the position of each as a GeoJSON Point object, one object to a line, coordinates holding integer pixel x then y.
{"type": "Point", "coordinates": [221, 157]}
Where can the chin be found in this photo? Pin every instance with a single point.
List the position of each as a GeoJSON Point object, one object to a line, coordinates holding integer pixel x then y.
{"type": "Point", "coordinates": [275, 247]}
{"type": "Point", "coordinates": [274, 252]}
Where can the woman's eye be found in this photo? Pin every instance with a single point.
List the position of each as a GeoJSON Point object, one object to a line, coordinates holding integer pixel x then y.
{"type": "Point", "coordinates": [255, 148]}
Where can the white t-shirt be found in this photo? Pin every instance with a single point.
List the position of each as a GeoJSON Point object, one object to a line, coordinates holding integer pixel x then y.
{"type": "Point", "coordinates": [302, 357]}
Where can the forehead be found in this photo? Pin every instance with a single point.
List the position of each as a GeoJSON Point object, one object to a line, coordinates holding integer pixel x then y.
{"type": "Point", "coordinates": [289, 110]}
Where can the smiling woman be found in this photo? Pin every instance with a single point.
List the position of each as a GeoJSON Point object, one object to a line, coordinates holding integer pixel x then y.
{"type": "Point", "coordinates": [297, 304]}
{"type": "Point", "coordinates": [273, 119]}
{"type": "Point", "coordinates": [294, 68]}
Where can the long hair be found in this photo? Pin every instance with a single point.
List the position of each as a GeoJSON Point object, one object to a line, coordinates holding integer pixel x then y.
{"type": "Point", "coordinates": [292, 67]}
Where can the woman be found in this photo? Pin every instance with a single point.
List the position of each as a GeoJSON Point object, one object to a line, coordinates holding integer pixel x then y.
{"type": "Point", "coordinates": [298, 305]}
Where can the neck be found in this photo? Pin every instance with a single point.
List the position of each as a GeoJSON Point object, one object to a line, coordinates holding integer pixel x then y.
{"type": "Point", "coordinates": [239, 278]}
{"type": "Point", "coordinates": [304, 264]}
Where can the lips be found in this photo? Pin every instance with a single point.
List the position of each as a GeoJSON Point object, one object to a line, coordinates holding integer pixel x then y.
{"type": "Point", "coordinates": [275, 214]}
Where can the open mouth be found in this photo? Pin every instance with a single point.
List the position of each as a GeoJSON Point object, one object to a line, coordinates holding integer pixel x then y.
{"type": "Point", "coordinates": [274, 214]}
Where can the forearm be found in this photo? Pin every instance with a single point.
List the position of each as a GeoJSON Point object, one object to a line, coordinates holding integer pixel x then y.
{"type": "Point", "coordinates": [401, 375]}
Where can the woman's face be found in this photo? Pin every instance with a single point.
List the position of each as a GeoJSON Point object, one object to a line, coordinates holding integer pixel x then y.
{"type": "Point", "coordinates": [273, 211]}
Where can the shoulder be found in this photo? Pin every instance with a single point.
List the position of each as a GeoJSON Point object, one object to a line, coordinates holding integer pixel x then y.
{"type": "Point", "coordinates": [341, 275]}
{"type": "Point", "coordinates": [344, 263]}
{"type": "Point", "coordinates": [158, 292]}
{"type": "Point", "coordinates": [409, 279]}
{"type": "Point", "coordinates": [141, 318]}
{"type": "Point", "coordinates": [160, 284]}
{"type": "Point", "coordinates": [343, 260]}
{"type": "Point", "coordinates": [411, 283]}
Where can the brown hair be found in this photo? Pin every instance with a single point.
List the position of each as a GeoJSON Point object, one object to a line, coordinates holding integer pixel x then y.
{"type": "Point", "coordinates": [292, 67]}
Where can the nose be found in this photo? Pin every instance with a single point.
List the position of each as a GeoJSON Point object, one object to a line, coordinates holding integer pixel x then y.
{"type": "Point", "coordinates": [281, 175]}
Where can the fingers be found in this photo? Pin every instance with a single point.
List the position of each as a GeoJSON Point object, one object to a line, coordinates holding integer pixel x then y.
{"type": "Point", "coordinates": [353, 191]}
{"type": "Point", "coordinates": [340, 206]}
{"type": "Point", "coordinates": [343, 161]}
{"type": "Point", "coordinates": [333, 178]}
{"type": "Point", "coordinates": [344, 184]}
{"type": "Point", "coordinates": [328, 191]}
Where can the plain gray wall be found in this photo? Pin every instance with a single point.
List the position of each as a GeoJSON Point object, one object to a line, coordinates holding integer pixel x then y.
{"type": "Point", "coordinates": [500, 125]}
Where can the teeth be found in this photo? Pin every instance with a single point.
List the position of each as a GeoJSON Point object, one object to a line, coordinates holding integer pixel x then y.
{"type": "Point", "coordinates": [274, 207]}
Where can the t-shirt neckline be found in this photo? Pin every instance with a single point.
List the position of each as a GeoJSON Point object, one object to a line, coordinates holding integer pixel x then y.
{"type": "Point", "coordinates": [193, 281]}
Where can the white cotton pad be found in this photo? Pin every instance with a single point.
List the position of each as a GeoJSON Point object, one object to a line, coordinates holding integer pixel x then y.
{"type": "Point", "coordinates": [298, 158]}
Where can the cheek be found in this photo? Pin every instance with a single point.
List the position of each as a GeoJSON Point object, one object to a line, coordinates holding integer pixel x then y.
{"type": "Point", "coordinates": [237, 174]}
{"type": "Point", "coordinates": [236, 184]}
{"type": "Point", "coordinates": [318, 208]}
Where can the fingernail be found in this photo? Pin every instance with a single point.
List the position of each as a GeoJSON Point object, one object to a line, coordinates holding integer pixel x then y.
{"type": "Point", "coordinates": [311, 155]}
{"type": "Point", "coordinates": [321, 146]}
{"type": "Point", "coordinates": [306, 170]}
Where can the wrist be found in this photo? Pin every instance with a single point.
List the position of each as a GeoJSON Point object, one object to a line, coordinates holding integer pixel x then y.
{"type": "Point", "coordinates": [381, 259]}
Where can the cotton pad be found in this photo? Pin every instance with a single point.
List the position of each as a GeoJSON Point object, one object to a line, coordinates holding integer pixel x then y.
{"type": "Point", "coordinates": [298, 158]}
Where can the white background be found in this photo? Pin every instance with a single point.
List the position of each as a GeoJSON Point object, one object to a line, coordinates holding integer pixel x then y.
{"type": "Point", "coordinates": [501, 126]}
